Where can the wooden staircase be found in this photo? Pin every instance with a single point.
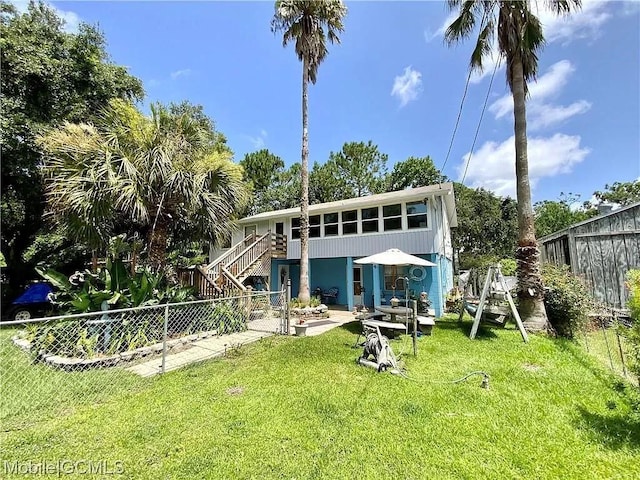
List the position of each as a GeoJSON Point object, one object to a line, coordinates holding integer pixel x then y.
{"type": "Point", "coordinates": [251, 256]}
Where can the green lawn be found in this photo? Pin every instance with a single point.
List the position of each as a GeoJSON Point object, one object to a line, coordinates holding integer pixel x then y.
{"type": "Point", "coordinates": [302, 408]}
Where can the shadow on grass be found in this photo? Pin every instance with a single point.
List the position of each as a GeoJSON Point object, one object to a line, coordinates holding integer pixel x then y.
{"type": "Point", "coordinates": [613, 431]}
{"type": "Point", "coordinates": [484, 332]}
{"type": "Point", "coordinates": [605, 376]}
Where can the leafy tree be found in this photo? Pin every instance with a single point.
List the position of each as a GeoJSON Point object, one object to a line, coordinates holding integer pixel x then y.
{"type": "Point", "coordinates": [553, 216]}
{"type": "Point", "coordinates": [326, 184]}
{"type": "Point", "coordinates": [487, 226]}
{"type": "Point", "coordinates": [623, 193]}
{"type": "Point", "coordinates": [414, 172]}
{"type": "Point", "coordinates": [164, 172]}
{"type": "Point", "coordinates": [285, 193]}
{"type": "Point", "coordinates": [262, 170]}
{"type": "Point", "coordinates": [48, 76]}
{"type": "Point", "coordinates": [519, 39]}
{"type": "Point", "coordinates": [304, 23]}
{"type": "Point", "coordinates": [362, 167]}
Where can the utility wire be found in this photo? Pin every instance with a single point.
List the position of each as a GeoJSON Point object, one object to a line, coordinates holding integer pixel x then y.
{"type": "Point", "coordinates": [464, 95]}
{"type": "Point", "coordinates": [455, 128]}
{"type": "Point", "coordinates": [475, 137]}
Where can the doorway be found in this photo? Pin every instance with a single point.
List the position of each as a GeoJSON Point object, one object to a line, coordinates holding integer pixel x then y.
{"type": "Point", "coordinates": [358, 289]}
{"type": "Point", "coordinates": [283, 276]}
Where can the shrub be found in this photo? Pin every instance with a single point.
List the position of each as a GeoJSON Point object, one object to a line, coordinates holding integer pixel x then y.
{"type": "Point", "coordinates": [633, 334]}
{"type": "Point", "coordinates": [566, 299]}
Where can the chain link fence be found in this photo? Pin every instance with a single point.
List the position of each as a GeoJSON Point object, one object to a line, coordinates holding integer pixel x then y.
{"type": "Point", "coordinates": [86, 358]}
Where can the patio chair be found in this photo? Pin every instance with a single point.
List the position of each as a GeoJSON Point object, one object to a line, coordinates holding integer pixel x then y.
{"type": "Point", "coordinates": [330, 296]}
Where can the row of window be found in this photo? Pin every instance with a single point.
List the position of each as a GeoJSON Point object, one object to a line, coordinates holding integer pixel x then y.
{"type": "Point", "coordinates": [371, 220]}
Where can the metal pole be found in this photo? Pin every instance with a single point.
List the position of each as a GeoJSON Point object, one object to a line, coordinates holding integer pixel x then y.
{"type": "Point", "coordinates": [286, 306]}
{"type": "Point", "coordinates": [164, 336]}
{"type": "Point", "coordinates": [624, 369]}
{"type": "Point", "coordinates": [414, 306]}
{"type": "Point", "coordinates": [606, 341]}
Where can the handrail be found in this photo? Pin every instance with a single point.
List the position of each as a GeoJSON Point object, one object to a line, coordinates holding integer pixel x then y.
{"type": "Point", "coordinates": [237, 261]}
{"type": "Point", "coordinates": [204, 274]}
{"type": "Point", "coordinates": [233, 279]}
{"type": "Point", "coordinates": [228, 253]}
{"type": "Point", "coordinates": [250, 247]}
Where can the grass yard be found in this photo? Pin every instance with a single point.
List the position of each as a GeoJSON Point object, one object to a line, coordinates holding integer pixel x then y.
{"type": "Point", "coordinates": [301, 408]}
{"type": "Point", "coordinates": [605, 346]}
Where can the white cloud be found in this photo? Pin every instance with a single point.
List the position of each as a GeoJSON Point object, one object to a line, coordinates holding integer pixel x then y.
{"type": "Point", "coordinates": [71, 19]}
{"type": "Point", "coordinates": [429, 35]}
{"type": "Point", "coordinates": [539, 113]}
{"type": "Point", "coordinates": [180, 73]}
{"type": "Point", "coordinates": [542, 115]}
{"type": "Point", "coordinates": [258, 141]}
{"type": "Point", "coordinates": [631, 7]}
{"type": "Point", "coordinates": [585, 23]}
{"type": "Point", "coordinates": [493, 164]}
{"type": "Point", "coordinates": [407, 87]}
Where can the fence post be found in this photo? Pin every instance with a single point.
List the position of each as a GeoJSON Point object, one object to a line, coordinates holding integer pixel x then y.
{"type": "Point", "coordinates": [164, 336]}
{"type": "Point", "coordinates": [287, 300]}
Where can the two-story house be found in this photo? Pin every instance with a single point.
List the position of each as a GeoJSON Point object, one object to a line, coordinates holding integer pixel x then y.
{"type": "Point", "coordinates": [265, 250]}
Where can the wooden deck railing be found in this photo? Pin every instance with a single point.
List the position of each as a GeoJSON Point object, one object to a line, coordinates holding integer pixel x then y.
{"type": "Point", "coordinates": [236, 264]}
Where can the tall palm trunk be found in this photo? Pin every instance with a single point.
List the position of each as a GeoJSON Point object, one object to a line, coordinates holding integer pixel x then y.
{"type": "Point", "coordinates": [530, 291]}
{"type": "Point", "coordinates": [157, 241]}
{"type": "Point", "coordinates": [303, 294]}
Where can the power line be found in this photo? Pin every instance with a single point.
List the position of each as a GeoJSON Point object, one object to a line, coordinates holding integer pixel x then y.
{"type": "Point", "coordinates": [475, 137]}
{"type": "Point", "coordinates": [455, 129]}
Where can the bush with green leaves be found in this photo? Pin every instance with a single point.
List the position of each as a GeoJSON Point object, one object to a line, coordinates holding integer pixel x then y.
{"type": "Point", "coordinates": [567, 300]}
{"type": "Point", "coordinates": [86, 291]}
{"type": "Point", "coordinates": [633, 333]}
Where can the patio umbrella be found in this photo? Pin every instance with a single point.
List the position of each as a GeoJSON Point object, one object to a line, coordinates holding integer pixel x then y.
{"type": "Point", "coordinates": [394, 256]}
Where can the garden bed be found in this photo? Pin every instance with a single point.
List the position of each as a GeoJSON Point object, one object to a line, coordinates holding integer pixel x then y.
{"type": "Point", "coordinates": [104, 361]}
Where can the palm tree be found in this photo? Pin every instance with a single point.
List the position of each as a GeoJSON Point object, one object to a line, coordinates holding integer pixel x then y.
{"type": "Point", "coordinates": [166, 173]}
{"type": "Point", "coordinates": [519, 39]}
{"type": "Point", "coordinates": [304, 22]}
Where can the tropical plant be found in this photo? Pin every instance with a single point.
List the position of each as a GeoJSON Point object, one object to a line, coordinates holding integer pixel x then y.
{"type": "Point", "coordinates": [519, 38]}
{"type": "Point", "coordinates": [167, 173]}
{"type": "Point", "coordinates": [86, 291]}
{"type": "Point", "coordinates": [304, 23]}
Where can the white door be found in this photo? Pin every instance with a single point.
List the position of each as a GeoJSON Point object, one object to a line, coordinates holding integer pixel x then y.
{"type": "Point", "coordinates": [283, 276]}
{"type": "Point", "coordinates": [249, 230]}
{"type": "Point", "coordinates": [358, 289]}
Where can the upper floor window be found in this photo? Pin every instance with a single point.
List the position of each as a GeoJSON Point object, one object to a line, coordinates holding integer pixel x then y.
{"type": "Point", "coordinates": [369, 220]}
{"type": "Point", "coordinates": [295, 227]}
{"type": "Point", "coordinates": [350, 222]}
{"type": "Point", "coordinates": [314, 226]}
{"type": "Point", "coordinates": [417, 215]}
{"type": "Point", "coordinates": [330, 224]}
{"type": "Point", "coordinates": [392, 217]}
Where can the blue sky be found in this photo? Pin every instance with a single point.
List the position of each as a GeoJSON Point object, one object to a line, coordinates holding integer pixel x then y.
{"type": "Point", "coordinates": [393, 81]}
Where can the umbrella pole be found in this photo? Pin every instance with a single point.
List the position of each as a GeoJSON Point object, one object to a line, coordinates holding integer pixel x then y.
{"type": "Point", "coordinates": [414, 314]}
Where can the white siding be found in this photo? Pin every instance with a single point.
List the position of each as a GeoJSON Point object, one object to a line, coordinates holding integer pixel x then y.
{"type": "Point", "coordinates": [414, 242]}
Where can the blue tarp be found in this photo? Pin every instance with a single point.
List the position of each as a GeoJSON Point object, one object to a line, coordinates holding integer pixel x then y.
{"type": "Point", "coordinates": [36, 293]}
